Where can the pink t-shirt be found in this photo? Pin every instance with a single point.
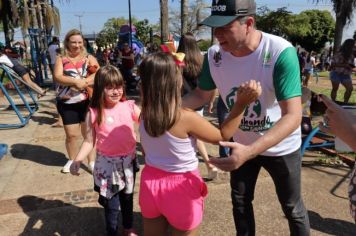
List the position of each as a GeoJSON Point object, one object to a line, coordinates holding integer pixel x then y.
{"type": "Point", "coordinates": [116, 135]}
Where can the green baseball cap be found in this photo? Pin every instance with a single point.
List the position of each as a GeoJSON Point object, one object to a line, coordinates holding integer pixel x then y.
{"type": "Point", "coordinates": [225, 11]}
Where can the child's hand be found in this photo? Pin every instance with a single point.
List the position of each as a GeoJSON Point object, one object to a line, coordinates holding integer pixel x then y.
{"type": "Point", "coordinates": [74, 167]}
{"type": "Point", "coordinates": [248, 92]}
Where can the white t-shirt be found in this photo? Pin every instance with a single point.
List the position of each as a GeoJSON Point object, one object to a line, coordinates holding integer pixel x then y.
{"type": "Point", "coordinates": [6, 61]}
{"type": "Point", "coordinates": [52, 53]}
{"type": "Point", "coordinates": [275, 65]}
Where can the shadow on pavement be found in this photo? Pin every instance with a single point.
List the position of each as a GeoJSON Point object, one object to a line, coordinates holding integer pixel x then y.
{"type": "Point", "coordinates": [38, 154]}
{"type": "Point", "coordinates": [321, 168]}
{"type": "Point", "coordinates": [44, 120]}
{"type": "Point", "coordinates": [54, 217]}
{"type": "Point", "coordinates": [331, 226]}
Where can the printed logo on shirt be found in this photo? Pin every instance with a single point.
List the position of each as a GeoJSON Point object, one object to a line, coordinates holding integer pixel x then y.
{"type": "Point", "coordinates": [217, 59]}
{"type": "Point", "coordinates": [267, 59]}
{"type": "Point", "coordinates": [252, 120]}
{"type": "Point", "coordinates": [230, 98]}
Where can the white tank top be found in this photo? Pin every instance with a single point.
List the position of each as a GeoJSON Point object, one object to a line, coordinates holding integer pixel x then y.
{"type": "Point", "coordinates": [169, 153]}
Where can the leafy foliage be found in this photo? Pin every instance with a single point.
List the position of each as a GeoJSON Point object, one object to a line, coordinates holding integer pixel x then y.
{"type": "Point", "coordinates": [109, 34]}
{"type": "Point", "coordinates": [311, 29]}
{"type": "Point", "coordinates": [321, 30]}
{"type": "Point", "coordinates": [274, 22]}
{"type": "Point", "coordinates": [344, 11]}
{"type": "Point", "coordinates": [143, 30]}
{"type": "Point", "coordinates": [204, 45]}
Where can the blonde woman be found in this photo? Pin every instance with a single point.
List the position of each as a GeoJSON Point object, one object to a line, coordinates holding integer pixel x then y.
{"type": "Point", "coordinates": [70, 72]}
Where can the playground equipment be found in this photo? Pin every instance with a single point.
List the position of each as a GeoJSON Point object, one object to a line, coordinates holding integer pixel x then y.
{"type": "Point", "coordinates": [28, 107]}
{"type": "Point", "coordinates": [3, 150]}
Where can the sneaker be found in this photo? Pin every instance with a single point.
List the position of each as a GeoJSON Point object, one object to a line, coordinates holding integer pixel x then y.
{"type": "Point", "coordinates": [130, 232]}
{"type": "Point", "coordinates": [91, 166]}
{"type": "Point", "coordinates": [66, 167]}
{"type": "Point", "coordinates": [212, 173]}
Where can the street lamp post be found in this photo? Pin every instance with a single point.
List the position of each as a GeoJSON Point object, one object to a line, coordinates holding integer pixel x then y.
{"type": "Point", "coordinates": [130, 24]}
{"type": "Point", "coordinates": [80, 22]}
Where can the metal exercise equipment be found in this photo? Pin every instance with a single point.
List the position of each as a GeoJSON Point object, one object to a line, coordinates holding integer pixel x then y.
{"type": "Point", "coordinates": [30, 108]}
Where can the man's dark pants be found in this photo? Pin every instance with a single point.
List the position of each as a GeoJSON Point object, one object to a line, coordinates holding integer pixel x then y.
{"type": "Point", "coordinates": [286, 174]}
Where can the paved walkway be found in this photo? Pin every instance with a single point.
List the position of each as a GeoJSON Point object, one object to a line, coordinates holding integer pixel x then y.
{"type": "Point", "coordinates": [37, 199]}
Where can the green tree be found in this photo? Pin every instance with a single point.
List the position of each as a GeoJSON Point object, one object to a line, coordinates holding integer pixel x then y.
{"type": "Point", "coordinates": [204, 45]}
{"type": "Point", "coordinates": [143, 30]}
{"type": "Point", "coordinates": [311, 29]}
{"type": "Point", "coordinates": [344, 12]}
{"type": "Point", "coordinates": [108, 35]}
{"type": "Point", "coordinates": [281, 22]}
{"type": "Point", "coordinates": [274, 22]}
{"type": "Point", "coordinates": [319, 29]}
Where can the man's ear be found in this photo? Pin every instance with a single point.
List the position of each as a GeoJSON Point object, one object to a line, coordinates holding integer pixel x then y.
{"type": "Point", "coordinates": [250, 22]}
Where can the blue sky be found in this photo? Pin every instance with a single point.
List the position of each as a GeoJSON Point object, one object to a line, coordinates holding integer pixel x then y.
{"type": "Point", "coordinates": [94, 13]}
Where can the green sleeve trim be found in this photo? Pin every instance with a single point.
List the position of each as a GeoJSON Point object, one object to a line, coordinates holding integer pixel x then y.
{"type": "Point", "coordinates": [286, 75]}
{"type": "Point", "coordinates": [205, 81]}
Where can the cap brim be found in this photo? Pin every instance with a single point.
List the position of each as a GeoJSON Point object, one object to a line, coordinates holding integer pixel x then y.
{"type": "Point", "coordinates": [217, 21]}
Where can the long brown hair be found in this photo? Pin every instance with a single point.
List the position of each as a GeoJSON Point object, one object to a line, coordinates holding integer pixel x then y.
{"type": "Point", "coordinates": [66, 42]}
{"type": "Point", "coordinates": [160, 92]}
{"type": "Point", "coordinates": [193, 58]}
{"type": "Point", "coordinates": [346, 49]}
{"type": "Point", "coordinates": [104, 77]}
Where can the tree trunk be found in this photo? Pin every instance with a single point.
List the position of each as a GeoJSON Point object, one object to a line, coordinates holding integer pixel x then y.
{"type": "Point", "coordinates": [339, 28]}
{"type": "Point", "coordinates": [5, 24]}
{"type": "Point", "coordinates": [184, 16]}
{"type": "Point", "coordinates": [34, 22]}
{"type": "Point", "coordinates": [164, 21]}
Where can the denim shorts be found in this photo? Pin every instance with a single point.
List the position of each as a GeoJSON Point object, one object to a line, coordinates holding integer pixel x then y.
{"type": "Point", "coordinates": [336, 77]}
{"type": "Point", "coordinates": [309, 71]}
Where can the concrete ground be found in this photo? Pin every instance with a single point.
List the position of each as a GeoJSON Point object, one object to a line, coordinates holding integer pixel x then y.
{"type": "Point", "coordinates": [37, 199]}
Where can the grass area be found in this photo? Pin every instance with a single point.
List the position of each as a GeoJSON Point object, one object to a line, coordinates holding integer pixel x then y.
{"type": "Point", "coordinates": [326, 90]}
{"type": "Point", "coordinates": [340, 93]}
{"type": "Point", "coordinates": [324, 87]}
{"type": "Point", "coordinates": [324, 74]}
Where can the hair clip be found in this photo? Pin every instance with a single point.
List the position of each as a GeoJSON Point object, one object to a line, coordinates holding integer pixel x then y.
{"type": "Point", "coordinates": [178, 56]}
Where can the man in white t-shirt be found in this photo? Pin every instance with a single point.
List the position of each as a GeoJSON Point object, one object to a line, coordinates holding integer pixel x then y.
{"type": "Point", "coordinates": [269, 135]}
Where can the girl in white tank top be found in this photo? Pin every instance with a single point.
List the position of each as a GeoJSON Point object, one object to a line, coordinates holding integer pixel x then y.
{"type": "Point", "coordinates": [168, 133]}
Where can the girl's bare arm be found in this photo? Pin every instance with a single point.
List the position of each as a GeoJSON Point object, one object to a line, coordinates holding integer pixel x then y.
{"type": "Point", "coordinates": [88, 143]}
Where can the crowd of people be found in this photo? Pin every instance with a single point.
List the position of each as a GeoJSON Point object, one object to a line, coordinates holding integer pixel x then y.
{"type": "Point", "coordinates": [260, 115]}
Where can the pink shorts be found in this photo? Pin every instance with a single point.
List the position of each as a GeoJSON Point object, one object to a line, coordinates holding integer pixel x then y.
{"type": "Point", "coordinates": [179, 197]}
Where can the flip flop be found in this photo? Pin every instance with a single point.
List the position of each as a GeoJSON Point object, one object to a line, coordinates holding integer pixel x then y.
{"type": "Point", "coordinates": [56, 125]}
{"type": "Point", "coordinates": [42, 94]}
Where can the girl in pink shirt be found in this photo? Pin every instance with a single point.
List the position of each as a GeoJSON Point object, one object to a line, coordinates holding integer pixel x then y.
{"type": "Point", "coordinates": [110, 123]}
{"type": "Point", "coordinates": [171, 189]}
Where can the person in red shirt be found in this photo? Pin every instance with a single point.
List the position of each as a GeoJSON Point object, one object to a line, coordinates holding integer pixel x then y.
{"type": "Point", "coordinates": [127, 63]}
